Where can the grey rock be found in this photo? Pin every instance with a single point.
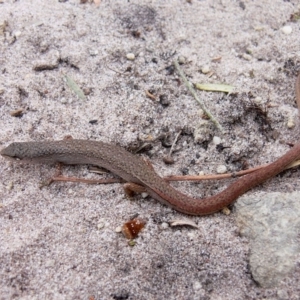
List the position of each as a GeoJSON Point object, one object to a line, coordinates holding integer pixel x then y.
{"type": "Point", "coordinates": [272, 222]}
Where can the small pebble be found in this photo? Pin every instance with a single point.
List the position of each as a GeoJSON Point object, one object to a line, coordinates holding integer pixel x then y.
{"type": "Point", "coordinates": [258, 100]}
{"type": "Point", "coordinates": [49, 263]}
{"type": "Point", "coordinates": [181, 60]}
{"type": "Point", "coordinates": [216, 140]}
{"type": "Point", "coordinates": [100, 226]}
{"type": "Point", "coordinates": [290, 123]}
{"type": "Point", "coordinates": [205, 69]}
{"type": "Point", "coordinates": [118, 229]}
{"type": "Point", "coordinates": [130, 56]}
{"type": "Point", "coordinates": [247, 56]}
{"type": "Point", "coordinates": [287, 29]}
{"type": "Point", "coordinates": [93, 52]}
{"type": "Point", "coordinates": [226, 211]}
{"type": "Point", "coordinates": [259, 28]}
{"type": "Point", "coordinates": [201, 113]}
{"type": "Point", "coordinates": [202, 131]}
{"type": "Point", "coordinates": [221, 169]}
{"type": "Point", "coordinates": [17, 33]}
{"type": "Point", "coordinates": [164, 225]}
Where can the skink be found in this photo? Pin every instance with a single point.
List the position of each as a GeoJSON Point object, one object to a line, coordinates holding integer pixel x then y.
{"type": "Point", "coordinates": [135, 170]}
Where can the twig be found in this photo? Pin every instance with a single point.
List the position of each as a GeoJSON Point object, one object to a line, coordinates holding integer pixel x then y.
{"type": "Point", "coordinates": [168, 158]}
{"type": "Point", "coordinates": [193, 92]}
{"type": "Point", "coordinates": [171, 177]}
{"type": "Point", "coordinates": [211, 177]}
{"type": "Point", "coordinates": [222, 176]}
{"type": "Point", "coordinates": [174, 142]}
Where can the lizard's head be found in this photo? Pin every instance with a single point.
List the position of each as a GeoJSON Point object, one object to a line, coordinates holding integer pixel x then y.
{"type": "Point", "coordinates": [14, 152]}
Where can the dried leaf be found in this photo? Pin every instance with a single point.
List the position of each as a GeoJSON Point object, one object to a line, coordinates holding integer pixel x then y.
{"type": "Point", "coordinates": [214, 87]}
{"type": "Point", "coordinates": [74, 87]}
{"type": "Point", "coordinates": [132, 228]}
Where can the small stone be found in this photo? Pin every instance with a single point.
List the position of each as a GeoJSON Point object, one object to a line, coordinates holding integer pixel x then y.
{"type": "Point", "coordinates": [258, 100]}
{"type": "Point", "coordinates": [247, 56]}
{"type": "Point", "coordinates": [130, 56]}
{"type": "Point", "coordinates": [164, 225]}
{"type": "Point", "coordinates": [201, 113]}
{"type": "Point", "coordinates": [93, 52]}
{"type": "Point", "coordinates": [100, 226]}
{"type": "Point", "coordinates": [287, 29]}
{"type": "Point", "coordinates": [205, 69]}
{"type": "Point", "coordinates": [216, 140]}
{"type": "Point", "coordinates": [259, 28]}
{"type": "Point", "coordinates": [17, 33]}
{"type": "Point", "coordinates": [181, 60]}
{"type": "Point", "coordinates": [203, 131]}
{"type": "Point", "coordinates": [270, 221]}
{"type": "Point", "coordinates": [226, 211]}
{"type": "Point", "coordinates": [221, 169]}
{"type": "Point", "coordinates": [144, 195]}
{"type": "Point", "coordinates": [118, 229]}
{"type": "Point", "coordinates": [291, 123]}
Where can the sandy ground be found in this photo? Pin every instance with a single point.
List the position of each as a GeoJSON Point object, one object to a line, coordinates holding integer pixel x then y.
{"type": "Point", "coordinates": [60, 242]}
